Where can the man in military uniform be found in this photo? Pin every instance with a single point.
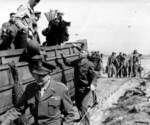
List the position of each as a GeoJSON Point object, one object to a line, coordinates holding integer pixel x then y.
{"type": "Point", "coordinates": [125, 66]}
{"type": "Point", "coordinates": [134, 64]}
{"type": "Point", "coordinates": [6, 25]}
{"type": "Point", "coordinates": [111, 64]}
{"type": "Point", "coordinates": [4, 30]}
{"type": "Point", "coordinates": [47, 101]}
{"type": "Point", "coordinates": [120, 60]}
{"type": "Point", "coordinates": [22, 30]}
{"type": "Point", "coordinates": [57, 31]}
{"type": "Point", "coordinates": [85, 80]}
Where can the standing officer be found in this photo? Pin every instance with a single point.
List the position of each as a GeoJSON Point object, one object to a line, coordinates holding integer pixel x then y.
{"type": "Point", "coordinates": [47, 100]}
{"type": "Point", "coordinates": [23, 29]}
{"type": "Point", "coordinates": [85, 80]}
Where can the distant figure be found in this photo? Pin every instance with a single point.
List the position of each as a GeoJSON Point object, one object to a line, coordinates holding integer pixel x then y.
{"type": "Point", "coordinates": [120, 60]}
{"type": "Point", "coordinates": [140, 68]}
{"type": "Point", "coordinates": [125, 67]}
{"type": "Point", "coordinates": [111, 65]}
{"type": "Point", "coordinates": [22, 30]}
{"type": "Point", "coordinates": [57, 31]}
{"type": "Point", "coordinates": [101, 64]}
{"type": "Point", "coordinates": [134, 64]}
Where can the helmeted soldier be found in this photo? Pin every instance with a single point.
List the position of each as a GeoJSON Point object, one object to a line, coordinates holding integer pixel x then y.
{"type": "Point", "coordinates": [134, 63]}
{"type": "Point", "coordinates": [85, 80]}
{"type": "Point", "coordinates": [111, 64]}
{"type": "Point", "coordinates": [120, 60]}
{"type": "Point", "coordinates": [125, 67]}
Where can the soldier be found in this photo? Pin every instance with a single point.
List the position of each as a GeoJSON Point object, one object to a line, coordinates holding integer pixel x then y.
{"type": "Point", "coordinates": [120, 60]}
{"type": "Point", "coordinates": [134, 63]}
{"type": "Point", "coordinates": [47, 100]}
{"type": "Point", "coordinates": [140, 68]}
{"type": "Point", "coordinates": [85, 80]}
{"type": "Point", "coordinates": [111, 64]}
{"type": "Point", "coordinates": [125, 66]}
{"type": "Point", "coordinates": [96, 67]}
{"type": "Point", "coordinates": [22, 30]}
{"type": "Point", "coordinates": [5, 27]}
{"type": "Point", "coordinates": [57, 32]}
{"type": "Point", "coordinates": [101, 64]}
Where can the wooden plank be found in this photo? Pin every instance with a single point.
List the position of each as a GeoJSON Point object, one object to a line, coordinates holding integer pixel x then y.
{"type": "Point", "coordinates": [62, 72]}
{"type": "Point", "coordinates": [6, 98]}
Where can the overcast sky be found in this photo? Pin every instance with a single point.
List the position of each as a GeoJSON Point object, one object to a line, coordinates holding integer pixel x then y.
{"type": "Point", "coordinates": [108, 25]}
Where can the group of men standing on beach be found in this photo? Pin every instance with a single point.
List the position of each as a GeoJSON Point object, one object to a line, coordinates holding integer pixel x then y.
{"type": "Point", "coordinates": [123, 65]}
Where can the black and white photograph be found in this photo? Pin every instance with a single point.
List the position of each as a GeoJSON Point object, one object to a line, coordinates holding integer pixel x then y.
{"type": "Point", "coordinates": [74, 62]}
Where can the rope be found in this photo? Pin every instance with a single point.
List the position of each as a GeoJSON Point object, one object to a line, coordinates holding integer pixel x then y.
{"type": "Point", "coordinates": [18, 91]}
{"type": "Point", "coordinates": [100, 95]}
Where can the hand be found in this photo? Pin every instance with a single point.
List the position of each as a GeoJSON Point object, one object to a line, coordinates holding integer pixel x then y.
{"type": "Point", "coordinates": [24, 30]}
{"type": "Point", "coordinates": [92, 87]}
{"type": "Point", "coordinates": [9, 116]}
{"type": "Point", "coordinates": [74, 45]}
{"type": "Point", "coordinates": [62, 55]}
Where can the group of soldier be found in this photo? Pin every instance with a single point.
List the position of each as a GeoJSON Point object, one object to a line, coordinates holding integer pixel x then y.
{"type": "Point", "coordinates": [123, 65]}
{"type": "Point", "coordinates": [47, 98]}
{"type": "Point", "coordinates": [23, 27]}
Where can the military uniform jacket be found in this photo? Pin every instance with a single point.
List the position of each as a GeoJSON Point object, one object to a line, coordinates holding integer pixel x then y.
{"type": "Point", "coordinates": [84, 73]}
{"type": "Point", "coordinates": [56, 33]}
{"type": "Point", "coordinates": [47, 109]}
{"type": "Point", "coordinates": [120, 60]}
{"type": "Point", "coordinates": [25, 17]}
{"type": "Point", "coordinates": [112, 60]}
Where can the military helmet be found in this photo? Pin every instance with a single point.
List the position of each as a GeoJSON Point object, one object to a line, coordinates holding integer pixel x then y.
{"type": "Point", "coordinates": [135, 51]}
{"type": "Point", "coordinates": [113, 53]}
{"type": "Point", "coordinates": [33, 47]}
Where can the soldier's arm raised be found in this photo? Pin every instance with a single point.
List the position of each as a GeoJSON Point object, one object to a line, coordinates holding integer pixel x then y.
{"type": "Point", "coordinates": [68, 62]}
